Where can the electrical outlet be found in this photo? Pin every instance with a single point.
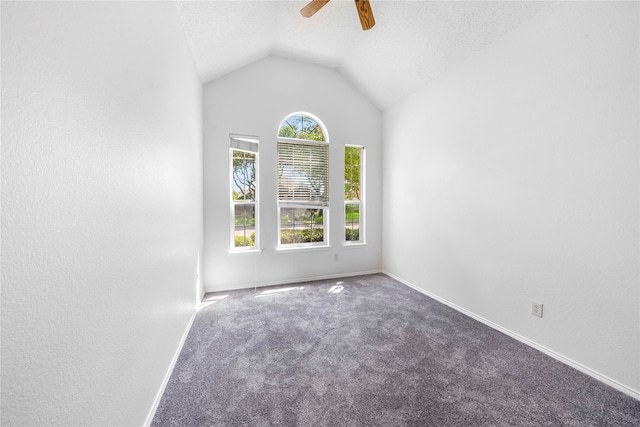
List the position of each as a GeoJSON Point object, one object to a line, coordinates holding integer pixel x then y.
{"type": "Point", "coordinates": [335, 257]}
{"type": "Point", "coordinates": [536, 308]}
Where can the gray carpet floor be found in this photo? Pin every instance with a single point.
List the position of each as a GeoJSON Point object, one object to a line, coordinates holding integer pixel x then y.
{"type": "Point", "coordinates": [369, 351]}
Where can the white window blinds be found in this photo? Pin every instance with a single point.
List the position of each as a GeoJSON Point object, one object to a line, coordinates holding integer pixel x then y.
{"type": "Point", "coordinates": [303, 172]}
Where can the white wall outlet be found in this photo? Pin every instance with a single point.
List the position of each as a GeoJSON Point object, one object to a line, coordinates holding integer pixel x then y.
{"type": "Point", "coordinates": [536, 308]}
{"type": "Point", "coordinates": [335, 257]}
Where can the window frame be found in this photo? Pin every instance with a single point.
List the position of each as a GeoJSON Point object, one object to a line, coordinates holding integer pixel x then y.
{"type": "Point", "coordinates": [247, 144]}
{"type": "Point", "coordinates": [361, 203]}
{"type": "Point", "coordinates": [302, 204]}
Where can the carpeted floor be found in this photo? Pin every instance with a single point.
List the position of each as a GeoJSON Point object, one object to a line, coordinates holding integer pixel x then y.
{"type": "Point", "coordinates": [369, 351]}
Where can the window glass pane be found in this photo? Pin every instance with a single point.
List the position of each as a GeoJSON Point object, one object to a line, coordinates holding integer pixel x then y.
{"type": "Point", "coordinates": [352, 173]}
{"type": "Point", "coordinates": [244, 224]}
{"type": "Point", "coordinates": [301, 225]}
{"type": "Point", "coordinates": [301, 127]}
{"type": "Point", "coordinates": [352, 222]}
{"type": "Point", "coordinates": [244, 175]}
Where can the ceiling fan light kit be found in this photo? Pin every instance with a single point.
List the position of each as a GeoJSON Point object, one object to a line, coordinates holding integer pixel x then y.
{"type": "Point", "coordinates": [363, 7]}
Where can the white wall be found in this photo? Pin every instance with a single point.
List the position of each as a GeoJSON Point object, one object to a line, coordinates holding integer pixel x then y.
{"type": "Point", "coordinates": [514, 177]}
{"type": "Point", "coordinates": [101, 208]}
{"type": "Point", "coordinates": [254, 100]}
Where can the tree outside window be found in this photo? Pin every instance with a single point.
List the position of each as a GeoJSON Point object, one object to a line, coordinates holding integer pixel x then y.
{"type": "Point", "coordinates": [244, 192]}
{"type": "Point", "coordinates": [353, 200]}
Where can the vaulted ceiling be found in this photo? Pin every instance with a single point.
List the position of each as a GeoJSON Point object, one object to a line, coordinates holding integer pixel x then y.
{"type": "Point", "coordinates": [412, 42]}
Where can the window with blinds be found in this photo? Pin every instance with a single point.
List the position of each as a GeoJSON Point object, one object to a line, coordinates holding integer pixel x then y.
{"type": "Point", "coordinates": [243, 153]}
{"type": "Point", "coordinates": [302, 181]}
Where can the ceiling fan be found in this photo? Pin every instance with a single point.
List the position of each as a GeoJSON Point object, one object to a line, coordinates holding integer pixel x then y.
{"type": "Point", "coordinates": [364, 11]}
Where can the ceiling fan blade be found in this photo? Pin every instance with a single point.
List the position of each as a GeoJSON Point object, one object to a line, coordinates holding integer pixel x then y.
{"type": "Point", "coordinates": [365, 14]}
{"type": "Point", "coordinates": [315, 5]}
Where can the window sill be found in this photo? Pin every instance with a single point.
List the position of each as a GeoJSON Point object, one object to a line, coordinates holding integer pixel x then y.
{"type": "Point", "coordinates": [303, 248]}
{"type": "Point", "coordinates": [354, 244]}
{"type": "Point", "coordinates": [244, 252]}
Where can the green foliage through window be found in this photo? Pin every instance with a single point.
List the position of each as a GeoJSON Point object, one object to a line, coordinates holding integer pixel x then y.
{"type": "Point", "coordinates": [352, 173]}
{"type": "Point", "coordinates": [301, 127]}
{"type": "Point", "coordinates": [244, 175]}
{"type": "Point", "coordinates": [245, 241]}
{"type": "Point", "coordinates": [244, 191]}
{"type": "Point", "coordinates": [351, 234]}
{"type": "Point", "coordinates": [353, 163]}
{"type": "Point", "coordinates": [301, 236]}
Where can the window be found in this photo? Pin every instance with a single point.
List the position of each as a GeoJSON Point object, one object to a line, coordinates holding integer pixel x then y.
{"type": "Point", "coordinates": [354, 194]}
{"type": "Point", "coordinates": [303, 182]}
{"type": "Point", "coordinates": [243, 153]}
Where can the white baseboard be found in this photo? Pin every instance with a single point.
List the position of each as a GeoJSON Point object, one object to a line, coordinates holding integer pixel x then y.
{"type": "Point", "coordinates": [290, 281]}
{"type": "Point", "coordinates": [567, 361]}
{"type": "Point", "coordinates": [165, 381]}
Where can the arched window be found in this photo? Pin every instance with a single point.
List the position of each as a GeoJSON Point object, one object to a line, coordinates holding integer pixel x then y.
{"type": "Point", "coordinates": [303, 181]}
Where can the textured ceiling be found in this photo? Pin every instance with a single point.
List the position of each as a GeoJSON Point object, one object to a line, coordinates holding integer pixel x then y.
{"type": "Point", "coordinates": [412, 42]}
